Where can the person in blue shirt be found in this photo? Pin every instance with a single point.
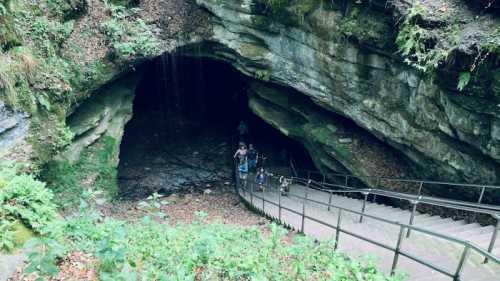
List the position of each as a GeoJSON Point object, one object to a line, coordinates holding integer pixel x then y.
{"type": "Point", "coordinates": [252, 157]}
{"type": "Point", "coordinates": [243, 169]}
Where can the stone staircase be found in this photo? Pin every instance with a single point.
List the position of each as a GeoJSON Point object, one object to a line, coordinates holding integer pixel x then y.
{"type": "Point", "coordinates": [438, 251]}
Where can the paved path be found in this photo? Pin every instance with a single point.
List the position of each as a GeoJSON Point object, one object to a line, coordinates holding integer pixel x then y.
{"type": "Point", "coordinates": [9, 264]}
{"type": "Point", "coordinates": [429, 248]}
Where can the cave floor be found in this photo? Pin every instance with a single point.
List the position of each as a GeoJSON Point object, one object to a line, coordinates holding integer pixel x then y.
{"type": "Point", "coordinates": [152, 163]}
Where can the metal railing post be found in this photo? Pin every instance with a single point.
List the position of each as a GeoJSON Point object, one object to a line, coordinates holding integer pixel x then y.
{"type": "Point", "coordinates": [303, 213]}
{"type": "Point", "coordinates": [346, 181]}
{"type": "Point", "coordinates": [412, 216]}
{"type": "Point", "coordinates": [330, 200]}
{"type": "Point", "coordinates": [279, 203]}
{"type": "Point", "coordinates": [461, 263]}
{"type": "Point", "coordinates": [493, 236]}
{"type": "Point", "coordinates": [365, 194]}
{"type": "Point", "coordinates": [420, 188]}
{"type": "Point", "coordinates": [374, 199]}
{"type": "Point", "coordinates": [263, 201]}
{"type": "Point", "coordinates": [308, 175]}
{"type": "Point", "coordinates": [481, 195]}
{"type": "Point", "coordinates": [337, 230]}
{"type": "Point", "coordinates": [251, 195]}
{"type": "Point", "coordinates": [397, 250]}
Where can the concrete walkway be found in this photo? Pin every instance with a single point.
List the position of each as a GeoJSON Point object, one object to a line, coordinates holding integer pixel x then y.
{"type": "Point", "coordinates": [9, 264]}
{"type": "Point", "coordinates": [431, 249]}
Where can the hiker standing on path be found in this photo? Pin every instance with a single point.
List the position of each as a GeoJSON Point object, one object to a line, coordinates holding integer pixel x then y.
{"type": "Point", "coordinates": [241, 152]}
{"type": "Point", "coordinates": [241, 155]}
{"type": "Point", "coordinates": [252, 157]}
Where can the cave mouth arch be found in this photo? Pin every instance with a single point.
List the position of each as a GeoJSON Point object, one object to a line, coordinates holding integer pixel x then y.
{"type": "Point", "coordinates": [183, 129]}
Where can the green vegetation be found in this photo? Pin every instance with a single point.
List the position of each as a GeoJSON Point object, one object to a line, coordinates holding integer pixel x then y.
{"type": "Point", "coordinates": [23, 201]}
{"type": "Point", "coordinates": [94, 170]}
{"type": "Point", "coordinates": [412, 41]}
{"type": "Point", "coordinates": [129, 36]}
{"type": "Point", "coordinates": [42, 69]}
{"type": "Point", "coordinates": [291, 12]}
{"type": "Point", "coordinates": [431, 48]}
{"type": "Point", "coordinates": [150, 250]}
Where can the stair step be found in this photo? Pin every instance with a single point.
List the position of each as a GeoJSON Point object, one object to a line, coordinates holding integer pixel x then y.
{"type": "Point", "coordinates": [474, 232]}
{"type": "Point", "coordinates": [431, 224]}
{"type": "Point", "coordinates": [450, 228]}
{"type": "Point", "coordinates": [429, 248]}
{"type": "Point", "coordinates": [427, 219]}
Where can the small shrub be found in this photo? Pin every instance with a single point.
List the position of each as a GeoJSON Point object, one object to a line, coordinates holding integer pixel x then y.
{"type": "Point", "coordinates": [22, 200]}
{"type": "Point", "coordinates": [27, 199]}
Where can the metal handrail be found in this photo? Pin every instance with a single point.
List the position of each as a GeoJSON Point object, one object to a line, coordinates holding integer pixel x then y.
{"type": "Point", "coordinates": [449, 203]}
{"type": "Point", "coordinates": [397, 250]}
{"type": "Point", "coordinates": [481, 189]}
{"type": "Point", "coordinates": [402, 179]}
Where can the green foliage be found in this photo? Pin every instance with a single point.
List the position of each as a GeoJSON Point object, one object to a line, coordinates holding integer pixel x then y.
{"type": "Point", "coordinates": [290, 12]}
{"type": "Point", "coordinates": [413, 43]}
{"type": "Point", "coordinates": [26, 199]}
{"type": "Point", "coordinates": [51, 136]}
{"type": "Point", "coordinates": [7, 238]}
{"type": "Point", "coordinates": [43, 262]}
{"type": "Point", "coordinates": [95, 167]}
{"type": "Point", "coordinates": [463, 80]}
{"type": "Point", "coordinates": [150, 250]}
{"type": "Point", "coordinates": [22, 199]}
{"type": "Point", "coordinates": [67, 9]}
{"type": "Point", "coordinates": [129, 36]}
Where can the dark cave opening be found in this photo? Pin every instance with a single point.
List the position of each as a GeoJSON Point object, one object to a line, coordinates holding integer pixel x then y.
{"type": "Point", "coordinates": [183, 131]}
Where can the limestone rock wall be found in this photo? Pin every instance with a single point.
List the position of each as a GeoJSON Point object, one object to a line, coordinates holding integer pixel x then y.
{"type": "Point", "coordinates": [334, 143]}
{"type": "Point", "coordinates": [13, 132]}
{"type": "Point", "coordinates": [455, 137]}
{"type": "Point", "coordinates": [103, 115]}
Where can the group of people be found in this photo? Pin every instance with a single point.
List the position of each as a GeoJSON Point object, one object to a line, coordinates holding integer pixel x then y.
{"type": "Point", "coordinates": [249, 160]}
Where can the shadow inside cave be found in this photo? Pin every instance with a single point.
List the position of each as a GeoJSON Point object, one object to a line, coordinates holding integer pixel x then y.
{"type": "Point", "coordinates": [183, 131]}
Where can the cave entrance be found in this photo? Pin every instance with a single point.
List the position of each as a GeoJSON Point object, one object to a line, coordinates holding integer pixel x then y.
{"type": "Point", "coordinates": [183, 131]}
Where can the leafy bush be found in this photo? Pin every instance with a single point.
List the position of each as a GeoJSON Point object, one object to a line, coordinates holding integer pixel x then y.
{"type": "Point", "coordinates": [25, 199]}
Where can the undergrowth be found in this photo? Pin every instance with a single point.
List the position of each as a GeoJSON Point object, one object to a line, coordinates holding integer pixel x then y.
{"type": "Point", "coordinates": [94, 168]}
{"type": "Point", "coordinates": [150, 250]}
{"type": "Point", "coordinates": [38, 71]}
{"type": "Point", "coordinates": [24, 200]}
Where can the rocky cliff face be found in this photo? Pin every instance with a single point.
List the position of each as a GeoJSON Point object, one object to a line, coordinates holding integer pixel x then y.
{"type": "Point", "coordinates": [452, 136]}
{"type": "Point", "coordinates": [341, 57]}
